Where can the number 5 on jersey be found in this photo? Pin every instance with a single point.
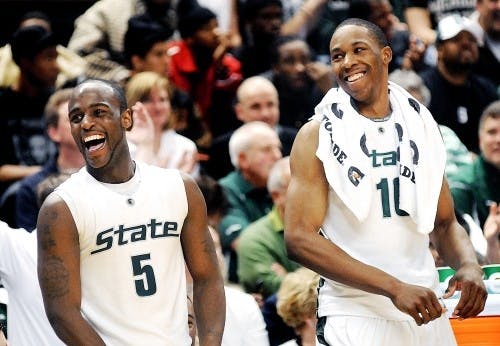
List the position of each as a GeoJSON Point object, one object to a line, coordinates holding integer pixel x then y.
{"type": "Point", "coordinates": [145, 283]}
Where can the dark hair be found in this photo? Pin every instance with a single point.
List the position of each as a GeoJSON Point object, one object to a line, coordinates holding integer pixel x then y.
{"type": "Point", "coordinates": [214, 195]}
{"type": "Point", "coordinates": [117, 89]}
{"type": "Point", "coordinates": [251, 8]}
{"type": "Point", "coordinates": [192, 17]}
{"type": "Point", "coordinates": [374, 30]}
{"type": "Point", "coordinates": [28, 41]}
{"type": "Point", "coordinates": [142, 34]}
{"type": "Point", "coordinates": [360, 9]}
{"type": "Point", "coordinates": [35, 15]}
{"type": "Point", "coordinates": [279, 42]}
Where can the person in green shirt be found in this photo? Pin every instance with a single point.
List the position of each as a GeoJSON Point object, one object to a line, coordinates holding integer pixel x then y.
{"type": "Point", "coordinates": [254, 148]}
{"type": "Point", "coordinates": [262, 258]}
{"type": "Point", "coordinates": [476, 190]}
{"type": "Point", "coordinates": [478, 185]}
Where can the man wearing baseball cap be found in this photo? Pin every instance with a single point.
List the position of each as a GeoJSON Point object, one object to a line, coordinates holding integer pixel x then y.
{"type": "Point", "coordinates": [458, 95]}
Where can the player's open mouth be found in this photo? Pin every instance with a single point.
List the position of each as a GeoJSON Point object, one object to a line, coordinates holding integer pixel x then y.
{"type": "Point", "coordinates": [354, 77]}
{"type": "Point", "coordinates": [94, 142]}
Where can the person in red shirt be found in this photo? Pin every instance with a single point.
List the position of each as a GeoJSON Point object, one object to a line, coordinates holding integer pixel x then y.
{"type": "Point", "coordinates": [201, 66]}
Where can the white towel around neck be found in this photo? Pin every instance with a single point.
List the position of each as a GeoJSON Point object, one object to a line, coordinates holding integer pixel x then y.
{"type": "Point", "coordinates": [347, 166]}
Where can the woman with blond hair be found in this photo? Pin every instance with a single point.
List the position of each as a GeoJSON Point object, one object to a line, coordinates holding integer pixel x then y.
{"type": "Point", "coordinates": [153, 139]}
{"type": "Point", "coordinates": [297, 303]}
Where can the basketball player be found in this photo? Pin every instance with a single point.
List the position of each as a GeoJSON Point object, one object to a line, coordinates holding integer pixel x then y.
{"type": "Point", "coordinates": [114, 237]}
{"type": "Point", "coordinates": [367, 189]}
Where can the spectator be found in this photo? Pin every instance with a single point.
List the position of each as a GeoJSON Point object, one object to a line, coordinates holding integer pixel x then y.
{"type": "Point", "coordinates": [227, 16]}
{"type": "Point", "coordinates": [158, 144]}
{"type": "Point", "coordinates": [24, 142]}
{"type": "Point", "coordinates": [487, 16]}
{"type": "Point", "coordinates": [297, 304]}
{"type": "Point", "coordinates": [201, 66]}
{"type": "Point", "coordinates": [422, 16]}
{"type": "Point", "coordinates": [71, 66]}
{"type": "Point", "coordinates": [145, 45]}
{"type": "Point", "coordinates": [478, 186]}
{"type": "Point", "coordinates": [458, 95]}
{"type": "Point", "coordinates": [99, 33]}
{"type": "Point", "coordinates": [295, 74]}
{"type": "Point", "coordinates": [146, 49]}
{"type": "Point", "coordinates": [256, 100]}
{"type": "Point", "coordinates": [261, 22]}
{"type": "Point", "coordinates": [254, 148]}
{"type": "Point", "coordinates": [262, 258]}
{"type": "Point", "coordinates": [67, 160]}
{"type": "Point", "coordinates": [407, 50]}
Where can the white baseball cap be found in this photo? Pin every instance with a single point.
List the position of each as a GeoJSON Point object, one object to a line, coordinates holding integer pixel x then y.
{"type": "Point", "coordinates": [450, 26]}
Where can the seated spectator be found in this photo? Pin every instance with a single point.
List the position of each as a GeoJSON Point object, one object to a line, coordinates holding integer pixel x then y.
{"type": "Point", "coordinates": [145, 45]}
{"type": "Point", "coordinates": [256, 100]}
{"type": "Point", "coordinates": [99, 33]}
{"type": "Point", "coordinates": [262, 257]}
{"type": "Point", "coordinates": [487, 18]}
{"type": "Point", "coordinates": [458, 95]}
{"type": "Point", "coordinates": [406, 52]}
{"type": "Point", "coordinates": [261, 22]}
{"type": "Point", "coordinates": [295, 74]}
{"type": "Point", "coordinates": [23, 139]}
{"type": "Point", "coordinates": [152, 138]}
{"type": "Point", "coordinates": [254, 148]}
{"type": "Point", "coordinates": [477, 187]}
{"type": "Point", "coordinates": [201, 66]}
{"type": "Point", "coordinates": [68, 159]}
{"type": "Point", "coordinates": [297, 304]}
{"type": "Point", "coordinates": [71, 66]}
{"type": "Point", "coordinates": [422, 16]}
{"type": "Point", "coordinates": [146, 49]}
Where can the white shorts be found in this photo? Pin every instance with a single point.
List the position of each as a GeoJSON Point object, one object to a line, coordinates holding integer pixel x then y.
{"type": "Point", "coordinates": [368, 331]}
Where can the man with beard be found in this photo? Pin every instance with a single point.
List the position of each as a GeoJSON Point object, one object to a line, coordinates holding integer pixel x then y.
{"type": "Point", "coordinates": [261, 21]}
{"type": "Point", "coordinates": [295, 74]}
{"type": "Point", "coordinates": [488, 17]}
{"type": "Point", "coordinates": [458, 95]}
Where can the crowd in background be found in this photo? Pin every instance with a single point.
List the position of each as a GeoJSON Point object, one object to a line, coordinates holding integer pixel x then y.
{"type": "Point", "coordinates": [219, 90]}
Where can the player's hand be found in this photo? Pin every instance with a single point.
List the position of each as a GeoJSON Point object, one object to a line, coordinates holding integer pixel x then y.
{"type": "Point", "coordinates": [469, 280]}
{"type": "Point", "coordinates": [419, 302]}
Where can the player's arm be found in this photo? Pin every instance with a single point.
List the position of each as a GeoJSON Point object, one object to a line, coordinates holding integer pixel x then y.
{"type": "Point", "coordinates": [454, 246]}
{"type": "Point", "coordinates": [59, 273]}
{"type": "Point", "coordinates": [306, 208]}
{"type": "Point", "coordinates": [199, 253]}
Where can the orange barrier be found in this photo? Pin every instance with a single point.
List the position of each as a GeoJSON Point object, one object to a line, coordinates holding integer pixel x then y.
{"type": "Point", "coordinates": [477, 331]}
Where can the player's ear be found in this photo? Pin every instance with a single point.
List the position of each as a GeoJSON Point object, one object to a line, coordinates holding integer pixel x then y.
{"type": "Point", "coordinates": [127, 119]}
{"type": "Point", "coordinates": [386, 55]}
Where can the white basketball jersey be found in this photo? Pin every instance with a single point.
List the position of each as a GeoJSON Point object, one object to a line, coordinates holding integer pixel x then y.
{"type": "Point", "coordinates": [387, 239]}
{"type": "Point", "coordinates": [131, 261]}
